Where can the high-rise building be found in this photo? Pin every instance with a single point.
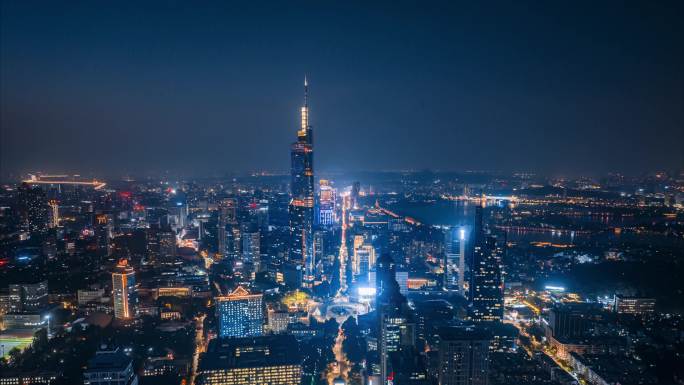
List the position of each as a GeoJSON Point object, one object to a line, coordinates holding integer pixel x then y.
{"type": "Point", "coordinates": [251, 249]}
{"type": "Point", "coordinates": [364, 260]}
{"type": "Point", "coordinates": [28, 297]}
{"type": "Point", "coordinates": [152, 243]}
{"type": "Point", "coordinates": [124, 291]}
{"type": "Point", "coordinates": [245, 361]}
{"type": "Point", "coordinates": [355, 193]}
{"type": "Point", "coordinates": [54, 213]}
{"type": "Point", "coordinates": [103, 225]}
{"type": "Point", "coordinates": [240, 314]}
{"type": "Point", "coordinates": [110, 367]}
{"type": "Point", "coordinates": [32, 208]}
{"type": "Point", "coordinates": [463, 356]}
{"type": "Point", "coordinates": [454, 259]}
{"type": "Point", "coordinates": [570, 320]}
{"type": "Point", "coordinates": [319, 245]}
{"type": "Point", "coordinates": [326, 203]}
{"type": "Point", "coordinates": [301, 208]}
{"type": "Point", "coordinates": [401, 276]}
{"type": "Point", "coordinates": [397, 338]}
{"type": "Point", "coordinates": [227, 215]}
{"type": "Point", "coordinates": [167, 246]}
{"type": "Point", "coordinates": [486, 288]}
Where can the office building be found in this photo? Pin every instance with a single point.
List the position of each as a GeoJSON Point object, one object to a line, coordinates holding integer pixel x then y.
{"type": "Point", "coordinates": [326, 203]}
{"type": "Point", "coordinates": [240, 314]}
{"type": "Point", "coordinates": [486, 286]}
{"type": "Point", "coordinates": [271, 360]}
{"type": "Point", "coordinates": [401, 276]}
{"type": "Point", "coordinates": [634, 305]}
{"type": "Point", "coordinates": [28, 297]}
{"type": "Point", "coordinates": [32, 208]}
{"type": "Point", "coordinates": [54, 213]}
{"type": "Point", "coordinates": [167, 246]}
{"type": "Point", "coordinates": [454, 259]}
{"type": "Point", "coordinates": [251, 249]}
{"type": "Point", "coordinates": [110, 367]}
{"type": "Point", "coordinates": [124, 291]}
{"type": "Point", "coordinates": [568, 321]}
{"type": "Point", "coordinates": [397, 340]}
{"type": "Point", "coordinates": [227, 217]}
{"type": "Point", "coordinates": [463, 356]}
{"type": "Point", "coordinates": [27, 378]}
{"type": "Point", "coordinates": [364, 260]}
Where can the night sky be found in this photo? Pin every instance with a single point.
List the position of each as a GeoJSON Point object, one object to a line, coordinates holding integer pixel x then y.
{"type": "Point", "coordinates": [205, 88]}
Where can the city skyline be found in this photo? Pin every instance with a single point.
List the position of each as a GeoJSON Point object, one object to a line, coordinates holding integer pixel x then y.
{"type": "Point", "coordinates": [493, 195]}
{"type": "Point", "coordinates": [580, 98]}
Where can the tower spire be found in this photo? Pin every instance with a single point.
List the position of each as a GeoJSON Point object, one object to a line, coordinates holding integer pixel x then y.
{"type": "Point", "coordinates": [306, 92]}
{"type": "Point", "coordinates": [305, 110]}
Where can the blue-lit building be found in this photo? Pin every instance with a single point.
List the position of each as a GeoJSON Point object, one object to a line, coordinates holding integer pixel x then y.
{"type": "Point", "coordinates": [326, 203]}
{"type": "Point", "coordinates": [301, 208]}
{"type": "Point", "coordinates": [240, 314]}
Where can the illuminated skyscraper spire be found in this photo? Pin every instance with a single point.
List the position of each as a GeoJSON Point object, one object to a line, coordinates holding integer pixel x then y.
{"type": "Point", "coordinates": [303, 132]}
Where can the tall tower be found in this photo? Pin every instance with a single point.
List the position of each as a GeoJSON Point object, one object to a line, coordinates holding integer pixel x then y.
{"type": "Point", "coordinates": [124, 291]}
{"type": "Point", "coordinates": [486, 293]}
{"type": "Point", "coordinates": [301, 209]}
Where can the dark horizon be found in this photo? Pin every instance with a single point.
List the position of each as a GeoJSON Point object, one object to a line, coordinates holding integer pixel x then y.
{"type": "Point", "coordinates": [141, 88]}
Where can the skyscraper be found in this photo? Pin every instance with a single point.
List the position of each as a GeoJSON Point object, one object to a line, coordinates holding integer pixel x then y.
{"type": "Point", "coordinates": [463, 356]}
{"type": "Point", "coordinates": [364, 260]}
{"type": "Point", "coordinates": [167, 246]}
{"type": "Point", "coordinates": [454, 259]}
{"type": "Point", "coordinates": [301, 208]}
{"type": "Point", "coordinates": [240, 314]}
{"type": "Point", "coordinates": [32, 208]}
{"type": "Point", "coordinates": [54, 213]}
{"type": "Point", "coordinates": [124, 291]}
{"type": "Point", "coordinates": [355, 193]}
{"type": "Point", "coordinates": [251, 248]}
{"type": "Point", "coordinates": [226, 216]}
{"type": "Point", "coordinates": [486, 292]}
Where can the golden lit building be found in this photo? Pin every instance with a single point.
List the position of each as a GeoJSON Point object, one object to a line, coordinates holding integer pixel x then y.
{"type": "Point", "coordinates": [124, 291]}
{"type": "Point", "coordinates": [272, 360]}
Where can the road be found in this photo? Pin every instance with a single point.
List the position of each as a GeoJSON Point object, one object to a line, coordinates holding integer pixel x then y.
{"type": "Point", "coordinates": [343, 254]}
{"type": "Point", "coordinates": [200, 346]}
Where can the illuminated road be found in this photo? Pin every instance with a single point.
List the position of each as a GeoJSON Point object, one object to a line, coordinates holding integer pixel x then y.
{"type": "Point", "coordinates": [343, 254]}
{"type": "Point", "coordinates": [200, 346]}
{"type": "Point", "coordinates": [537, 346]}
{"type": "Point", "coordinates": [341, 366]}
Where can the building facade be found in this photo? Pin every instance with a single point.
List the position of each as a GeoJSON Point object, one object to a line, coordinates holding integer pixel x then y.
{"type": "Point", "coordinates": [463, 356]}
{"type": "Point", "coordinates": [245, 361]}
{"type": "Point", "coordinates": [240, 314]}
{"type": "Point", "coordinates": [124, 291]}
